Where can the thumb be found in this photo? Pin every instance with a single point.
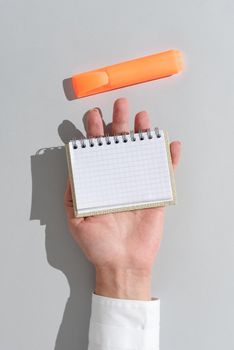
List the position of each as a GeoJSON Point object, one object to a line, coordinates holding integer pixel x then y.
{"type": "Point", "coordinates": [175, 149]}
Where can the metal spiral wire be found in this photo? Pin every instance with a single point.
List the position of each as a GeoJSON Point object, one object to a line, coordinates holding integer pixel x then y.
{"type": "Point", "coordinates": [108, 140]}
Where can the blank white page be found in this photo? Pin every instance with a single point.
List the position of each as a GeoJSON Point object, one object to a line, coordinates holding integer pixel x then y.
{"type": "Point", "coordinates": [122, 176]}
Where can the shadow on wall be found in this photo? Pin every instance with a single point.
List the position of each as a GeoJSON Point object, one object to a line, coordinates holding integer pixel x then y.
{"type": "Point", "coordinates": [49, 176]}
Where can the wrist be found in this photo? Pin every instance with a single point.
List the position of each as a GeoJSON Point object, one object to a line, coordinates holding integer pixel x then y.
{"type": "Point", "coordinates": [123, 283]}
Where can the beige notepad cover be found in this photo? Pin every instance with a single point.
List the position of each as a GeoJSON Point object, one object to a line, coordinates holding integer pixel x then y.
{"type": "Point", "coordinates": [111, 177]}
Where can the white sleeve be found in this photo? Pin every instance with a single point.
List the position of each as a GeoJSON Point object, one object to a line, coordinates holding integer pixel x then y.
{"type": "Point", "coordinates": [122, 324]}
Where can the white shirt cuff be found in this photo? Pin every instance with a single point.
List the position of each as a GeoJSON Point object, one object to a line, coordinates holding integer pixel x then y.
{"type": "Point", "coordinates": [122, 324]}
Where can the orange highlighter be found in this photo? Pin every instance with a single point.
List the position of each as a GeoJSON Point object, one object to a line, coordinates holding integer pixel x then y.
{"type": "Point", "coordinates": [127, 73]}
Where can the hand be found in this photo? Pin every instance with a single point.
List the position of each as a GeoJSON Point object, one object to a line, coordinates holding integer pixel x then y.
{"type": "Point", "coordinates": [122, 246]}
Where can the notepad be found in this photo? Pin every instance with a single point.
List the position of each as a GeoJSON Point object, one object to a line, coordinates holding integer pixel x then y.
{"type": "Point", "coordinates": [121, 172]}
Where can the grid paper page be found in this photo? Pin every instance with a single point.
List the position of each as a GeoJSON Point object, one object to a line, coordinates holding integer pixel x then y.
{"type": "Point", "coordinates": [120, 175]}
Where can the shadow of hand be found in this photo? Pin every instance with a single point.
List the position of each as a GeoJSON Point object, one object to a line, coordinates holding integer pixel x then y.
{"type": "Point", "coordinates": [49, 175]}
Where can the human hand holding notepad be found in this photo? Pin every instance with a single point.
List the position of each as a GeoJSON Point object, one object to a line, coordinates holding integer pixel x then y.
{"type": "Point", "coordinates": [122, 241]}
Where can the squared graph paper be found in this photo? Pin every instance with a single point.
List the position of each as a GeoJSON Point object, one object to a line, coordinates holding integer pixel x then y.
{"type": "Point", "coordinates": [120, 176]}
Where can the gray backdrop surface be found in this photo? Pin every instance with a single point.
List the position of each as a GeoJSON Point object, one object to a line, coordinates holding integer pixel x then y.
{"type": "Point", "coordinates": [46, 282]}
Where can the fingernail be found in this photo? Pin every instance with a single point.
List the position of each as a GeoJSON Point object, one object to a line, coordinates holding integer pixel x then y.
{"type": "Point", "coordinates": [94, 110]}
{"type": "Point", "coordinates": [87, 115]}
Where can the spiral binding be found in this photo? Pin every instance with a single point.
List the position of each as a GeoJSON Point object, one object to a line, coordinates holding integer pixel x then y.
{"type": "Point", "coordinates": [116, 138]}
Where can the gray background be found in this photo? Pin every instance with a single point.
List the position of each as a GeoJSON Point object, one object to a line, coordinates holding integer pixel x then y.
{"type": "Point", "coordinates": [46, 283]}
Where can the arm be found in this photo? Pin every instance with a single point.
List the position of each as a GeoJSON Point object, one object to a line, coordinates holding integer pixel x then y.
{"type": "Point", "coordinates": [122, 246]}
{"type": "Point", "coordinates": [123, 314]}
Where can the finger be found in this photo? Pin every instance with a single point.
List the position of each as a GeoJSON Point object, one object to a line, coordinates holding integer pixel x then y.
{"type": "Point", "coordinates": [120, 122]}
{"type": "Point", "coordinates": [94, 124]}
{"type": "Point", "coordinates": [175, 148]}
{"type": "Point", "coordinates": [68, 203]}
{"type": "Point", "coordinates": [142, 121]}
{"type": "Point", "coordinates": [108, 129]}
